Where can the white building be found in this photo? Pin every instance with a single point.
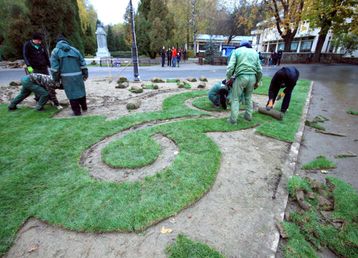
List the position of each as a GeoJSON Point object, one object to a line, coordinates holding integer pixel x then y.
{"type": "Point", "coordinates": [220, 41]}
{"type": "Point", "coordinates": [267, 39]}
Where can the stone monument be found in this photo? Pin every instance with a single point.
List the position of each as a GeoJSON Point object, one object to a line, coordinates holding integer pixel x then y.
{"type": "Point", "coordinates": [102, 49]}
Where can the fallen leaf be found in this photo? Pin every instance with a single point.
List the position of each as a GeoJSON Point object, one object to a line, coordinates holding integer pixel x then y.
{"type": "Point", "coordinates": [33, 248]}
{"type": "Point", "coordinates": [165, 230]}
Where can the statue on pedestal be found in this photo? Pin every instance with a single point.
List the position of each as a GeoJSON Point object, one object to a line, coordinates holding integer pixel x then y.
{"type": "Point", "coordinates": [102, 49]}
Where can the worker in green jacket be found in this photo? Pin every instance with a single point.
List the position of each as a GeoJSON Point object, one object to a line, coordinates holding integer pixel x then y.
{"type": "Point", "coordinates": [245, 70]}
{"type": "Point", "coordinates": [68, 65]}
{"type": "Point", "coordinates": [219, 94]}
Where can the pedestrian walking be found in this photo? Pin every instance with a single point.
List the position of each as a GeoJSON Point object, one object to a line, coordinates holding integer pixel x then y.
{"type": "Point", "coordinates": [163, 54]}
{"type": "Point", "coordinates": [178, 57]}
{"type": "Point", "coordinates": [68, 65]}
{"type": "Point", "coordinates": [169, 57]}
{"type": "Point", "coordinates": [174, 56]}
{"type": "Point", "coordinates": [279, 57]}
{"type": "Point", "coordinates": [185, 55]}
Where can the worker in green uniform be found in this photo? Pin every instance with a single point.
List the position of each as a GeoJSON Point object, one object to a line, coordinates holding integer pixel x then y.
{"type": "Point", "coordinates": [27, 88]}
{"type": "Point", "coordinates": [245, 70]}
{"type": "Point", "coordinates": [219, 94]}
{"type": "Point", "coordinates": [68, 65]}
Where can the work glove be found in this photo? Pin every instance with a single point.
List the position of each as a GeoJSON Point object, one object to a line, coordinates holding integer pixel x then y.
{"type": "Point", "coordinates": [269, 105]}
{"type": "Point", "coordinates": [85, 74]}
{"type": "Point", "coordinates": [30, 69]}
{"type": "Point", "coordinates": [230, 82]}
{"type": "Point", "coordinates": [281, 95]}
{"type": "Point", "coordinates": [257, 84]}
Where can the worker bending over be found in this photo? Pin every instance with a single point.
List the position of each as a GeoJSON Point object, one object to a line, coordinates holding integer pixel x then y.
{"type": "Point", "coordinates": [285, 78]}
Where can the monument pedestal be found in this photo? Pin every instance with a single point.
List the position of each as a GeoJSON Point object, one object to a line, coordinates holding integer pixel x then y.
{"type": "Point", "coordinates": [102, 50]}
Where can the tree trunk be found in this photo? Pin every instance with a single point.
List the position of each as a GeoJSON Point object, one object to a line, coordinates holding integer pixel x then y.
{"type": "Point", "coordinates": [229, 39]}
{"type": "Point", "coordinates": [317, 53]}
{"type": "Point", "coordinates": [288, 40]}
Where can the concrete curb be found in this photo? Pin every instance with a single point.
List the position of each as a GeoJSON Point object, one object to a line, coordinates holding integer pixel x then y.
{"type": "Point", "coordinates": [289, 166]}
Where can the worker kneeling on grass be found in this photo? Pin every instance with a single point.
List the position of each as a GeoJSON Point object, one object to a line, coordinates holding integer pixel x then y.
{"type": "Point", "coordinates": [220, 94]}
{"type": "Point", "coordinates": [285, 78]}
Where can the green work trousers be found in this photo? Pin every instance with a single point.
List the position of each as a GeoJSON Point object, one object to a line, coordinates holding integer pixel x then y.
{"type": "Point", "coordinates": [27, 88]}
{"type": "Point", "coordinates": [244, 84]}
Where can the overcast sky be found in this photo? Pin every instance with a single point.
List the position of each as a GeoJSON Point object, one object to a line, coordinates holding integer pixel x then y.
{"type": "Point", "coordinates": [111, 11]}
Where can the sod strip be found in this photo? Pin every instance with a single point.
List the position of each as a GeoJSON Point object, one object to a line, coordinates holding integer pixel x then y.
{"type": "Point", "coordinates": [183, 247]}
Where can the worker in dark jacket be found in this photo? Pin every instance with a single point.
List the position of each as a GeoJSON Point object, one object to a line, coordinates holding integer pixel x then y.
{"type": "Point", "coordinates": [68, 65]}
{"type": "Point", "coordinates": [35, 55]}
{"type": "Point", "coordinates": [285, 78]}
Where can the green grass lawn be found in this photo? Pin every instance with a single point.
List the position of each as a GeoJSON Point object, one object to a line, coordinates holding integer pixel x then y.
{"type": "Point", "coordinates": [131, 151]}
{"type": "Point", "coordinates": [186, 248]}
{"type": "Point", "coordinates": [41, 176]}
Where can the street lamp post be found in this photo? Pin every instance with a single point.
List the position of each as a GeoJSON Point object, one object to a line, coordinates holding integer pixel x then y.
{"type": "Point", "coordinates": [134, 45]}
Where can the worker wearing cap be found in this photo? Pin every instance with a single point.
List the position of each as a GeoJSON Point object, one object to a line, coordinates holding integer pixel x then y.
{"type": "Point", "coordinates": [285, 78]}
{"type": "Point", "coordinates": [35, 55]}
{"type": "Point", "coordinates": [244, 66]}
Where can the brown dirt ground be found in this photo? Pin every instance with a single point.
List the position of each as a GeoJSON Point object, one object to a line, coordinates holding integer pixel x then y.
{"type": "Point", "coordinates": [237, 216]}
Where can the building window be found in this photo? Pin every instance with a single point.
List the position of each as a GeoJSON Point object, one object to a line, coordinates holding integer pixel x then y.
{"type": "Point", "coordinates": [281, 46]}
{"type": "Point", "coordinates": [306, 46]}
{"type": "Point", "coordinates": [202, 47]}
{"type": "Point", "coordinates": [294, 46]}
{"type": "Point", "coordinates": [272, 48]}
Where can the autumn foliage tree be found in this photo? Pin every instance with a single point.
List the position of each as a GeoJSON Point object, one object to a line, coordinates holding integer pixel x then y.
{"type": "Point", "coordinates": [287, 17]}
{"type": "Point", "coordinates": [330, 14]}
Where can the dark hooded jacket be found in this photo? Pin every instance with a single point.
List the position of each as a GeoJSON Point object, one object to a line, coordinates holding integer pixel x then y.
{"type": "Point", "coordinates": [35, 55]}
{"type": "Point", "coordinates": [68, 65]}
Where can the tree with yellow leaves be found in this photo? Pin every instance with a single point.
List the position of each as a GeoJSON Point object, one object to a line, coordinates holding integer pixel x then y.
{"type": "Point", "coordinates": [287, 17]}
{"type": "Point", "coordinates": [338, 15]}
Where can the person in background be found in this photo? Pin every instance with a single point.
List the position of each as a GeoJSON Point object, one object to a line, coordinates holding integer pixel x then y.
{"type": "Point", "coordinates": [285, 78]}
{"type": "Point", "coordinates": [162, 54]}
{"type": "Point", "coordinates": [174, 56]}
{"type": "Point", "coordinates": [185, 55]}
{"type": "Point", "coordinates": [69, 66]}
{"type": "Point", "coordinates": [169, 56]}
{"type": "Point", "coordinates": [279, 57]}
{"type": "Point", "coordinates": [35, 55]}
{"type": "Point", "coordinates": [179, 56]}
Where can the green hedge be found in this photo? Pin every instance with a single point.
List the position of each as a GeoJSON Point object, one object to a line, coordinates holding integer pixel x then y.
{"type": "Point", "coordinates": [121, 54]}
